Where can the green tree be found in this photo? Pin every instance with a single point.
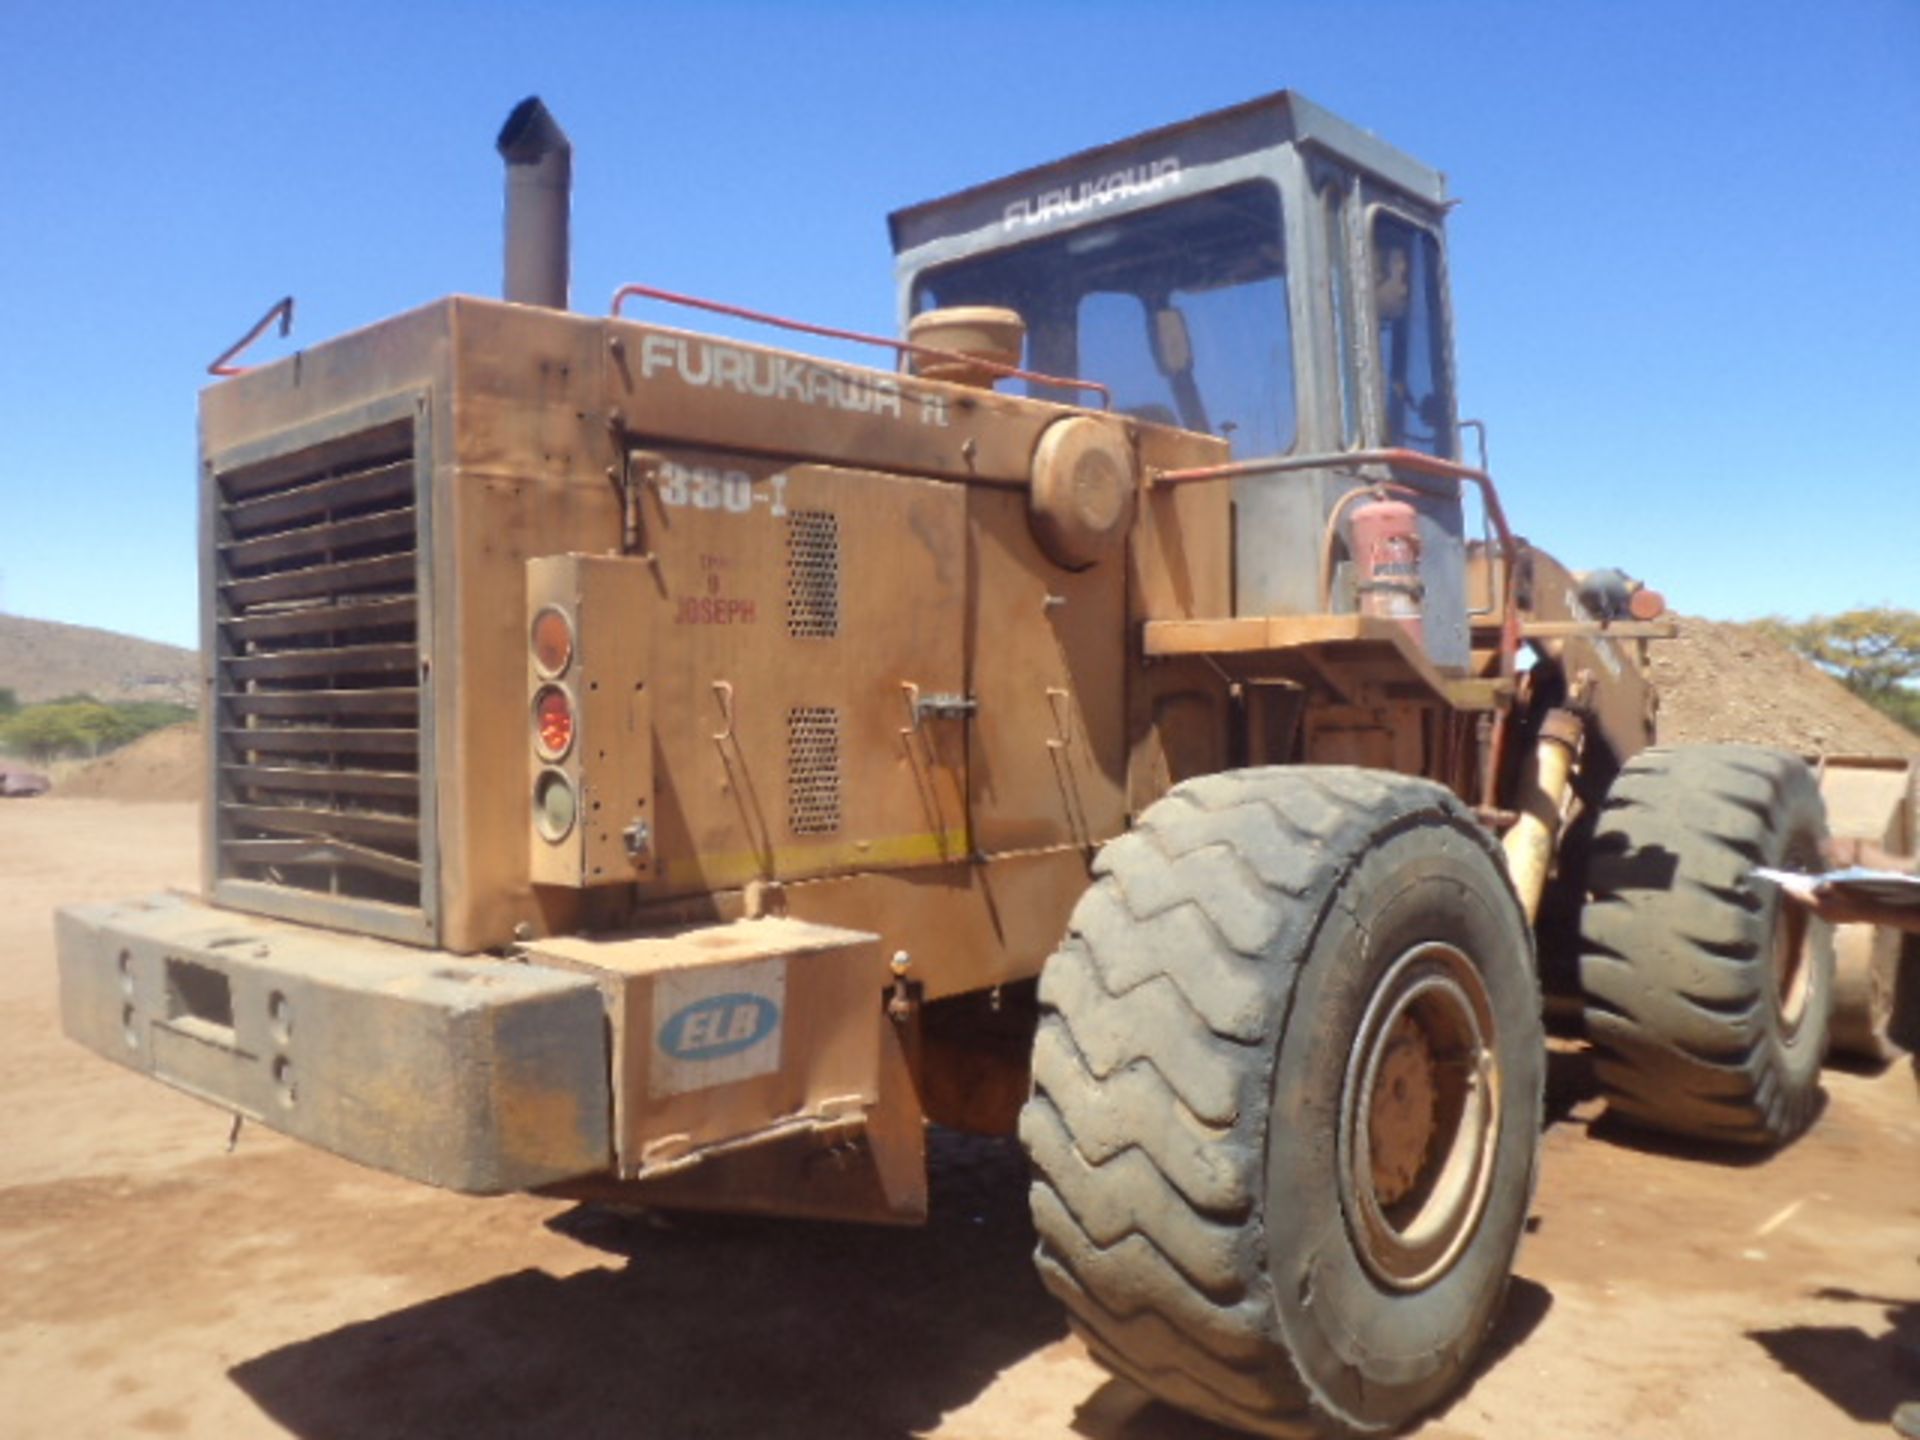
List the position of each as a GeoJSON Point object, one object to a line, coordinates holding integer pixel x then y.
{"type": "Point", "coordinates": [80, 727]}
{"type": "Point", "coordinates": [40, 732]}
{"type": "Point", "coordinates": [9, 702]}
{"type": "Point", "coordinates": [1874, 652]}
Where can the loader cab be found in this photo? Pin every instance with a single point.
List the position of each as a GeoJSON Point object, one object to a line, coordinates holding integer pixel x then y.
{"type": "Point", "coordinates": [1268, 274]}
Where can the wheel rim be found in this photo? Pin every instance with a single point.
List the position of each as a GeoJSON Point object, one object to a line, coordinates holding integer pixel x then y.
{"type": "Point", "coordinates": [1792, 946]}
{"type": "Point", "coordinates": [1420, 1117]}
{"type": "Point", "coordinates": [1792, 970]}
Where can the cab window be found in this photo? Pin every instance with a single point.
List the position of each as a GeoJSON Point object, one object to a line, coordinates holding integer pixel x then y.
{"type": "Point", "coordinates": [1180, 309]}
{"type": "Point", "coordinates": [1413, 358]}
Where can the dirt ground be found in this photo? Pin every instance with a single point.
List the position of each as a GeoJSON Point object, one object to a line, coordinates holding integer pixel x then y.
{"type": "Point", "coordinates": [151, 1283]}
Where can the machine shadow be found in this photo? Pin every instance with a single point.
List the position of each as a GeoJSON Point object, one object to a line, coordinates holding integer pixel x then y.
{"type": "Point", "coordinates": [1120, 1411]}
{"type": "Point", "coordinates": [1570, 1081]}
{"type": "Point", "coordinates": [1615, 1131]}
{"type": "Point", "coordinates": [710, 1327]}
{"type": "Point", "coordinates": [1866, 1376]}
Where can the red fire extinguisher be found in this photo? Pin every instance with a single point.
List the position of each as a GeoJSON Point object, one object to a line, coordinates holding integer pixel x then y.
{"type": "Point", "coordinates": [1386, 561]}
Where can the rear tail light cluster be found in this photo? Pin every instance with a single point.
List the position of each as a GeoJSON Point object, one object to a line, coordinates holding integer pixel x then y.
{"type": "Point", "coordinates": [556, 805]}
{"type": "Point", "coordinates": [589, 755]}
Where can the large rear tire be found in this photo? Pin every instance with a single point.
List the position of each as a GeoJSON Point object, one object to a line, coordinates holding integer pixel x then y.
{"type": "Point", "coordinates": [1287, 1090]}
{"type": "Point", "coordinates": [1707, 996]}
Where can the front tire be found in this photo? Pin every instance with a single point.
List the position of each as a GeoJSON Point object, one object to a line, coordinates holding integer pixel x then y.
{"type": "Point", "coordinates": [1287, 1090]}
{"type": "Point", "coordinates": [1707, 995]}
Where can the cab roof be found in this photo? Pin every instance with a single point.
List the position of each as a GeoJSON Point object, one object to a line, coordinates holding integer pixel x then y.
{"type": "Point", "coordinates": [1282, 118]}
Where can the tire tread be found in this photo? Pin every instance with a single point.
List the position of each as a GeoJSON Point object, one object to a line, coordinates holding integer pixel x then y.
{"type": "Point", "coordinates": [1674, 967]}
{"type": "Point", "coordinates": [1142, 1069]}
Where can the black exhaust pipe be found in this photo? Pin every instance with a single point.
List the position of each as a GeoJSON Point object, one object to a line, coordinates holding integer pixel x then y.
{"type": "Point", "coordinates": [539, 194]}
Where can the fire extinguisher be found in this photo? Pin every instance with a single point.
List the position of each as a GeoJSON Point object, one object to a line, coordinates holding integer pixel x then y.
{"type": "Point", "coordinates": [1386, 559]}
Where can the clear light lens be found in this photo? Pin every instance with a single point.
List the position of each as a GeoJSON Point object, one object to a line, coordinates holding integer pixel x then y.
{"type": "Point", "coordinates": [552, 641]}
{"type": "Point", "coordinates": [552, 721]}
{"type": "Point", "coordinates": [555, 806]}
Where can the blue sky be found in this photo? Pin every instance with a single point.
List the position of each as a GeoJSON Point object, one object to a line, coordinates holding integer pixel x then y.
{"type": "Point", "coordinates": [1687, 280]}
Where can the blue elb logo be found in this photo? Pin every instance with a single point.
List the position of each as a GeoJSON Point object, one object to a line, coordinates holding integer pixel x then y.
{"type": "Point", "coordinates": [718, 1025]}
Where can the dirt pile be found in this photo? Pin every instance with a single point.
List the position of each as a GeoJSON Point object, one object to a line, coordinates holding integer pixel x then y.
{"type": "Point", "coordinates": [166, 765]}
{"type": "Point", "coordinates": [1727, 682]}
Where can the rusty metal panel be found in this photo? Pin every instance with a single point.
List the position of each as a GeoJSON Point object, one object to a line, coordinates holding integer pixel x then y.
{"type": "Point", "coordinates": [1624, 703]}
{"type": "Point", "coordinates": [473, 1074]}
{"type": "Point", "coordinates": [1178, 728]}
{"type": "Point", "coordinates": [707, 391]}
{"type": "Point", "coordinates": [1180, 557]}
{"type": "Point", "coordinates": [733, 1034]}
{"type": "Point", "coordinates": [844, 753]}
{"type": "Point", "coordinates": [963, 926]}
{"type": "Point", "coordinates": [1872, 798]}
{"type": "Point", "coordinates": [1377, 737]}
{"type": "Point", "coordinates": [804, 612]}
{"type": "Point", "coordinates": [1352, 658]}
{"type": "Point", "coordinates": [532, 398]}
{"type": "Point", "coordinates": [266, 420]}
{"type": "Point", "coordinates": [526, 475]}
{"type": "Point", "coordinates": [1047, 649]}
{"type": "Point", "coordinates": [605, 769]}
{"type": "Point", "coordinates": [494, 524]}
{"type": "Point", "coordinates": [404, 353]}
{"type": "Point", "coordinates": [644, 379]}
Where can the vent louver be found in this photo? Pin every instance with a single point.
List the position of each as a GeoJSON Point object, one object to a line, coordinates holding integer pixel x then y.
{"type": "Point", "coordinates": [318, 671]}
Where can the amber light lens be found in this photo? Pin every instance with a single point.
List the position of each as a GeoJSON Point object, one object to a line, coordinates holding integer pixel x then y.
{"type": "Point", "coordinates": [552, 641]}
{"type": "Point", "coordinates": [553, 721]}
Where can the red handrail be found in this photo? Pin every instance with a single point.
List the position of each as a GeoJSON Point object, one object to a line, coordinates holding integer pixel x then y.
{"type": "Point", "coordinates": [1417, 460]}
{"type": "Point", "coordinates": [1394, 457]}
{"type": "Point", "coordinates": [282, 311]}
{"type": "Point", "coordinates": [904, 347]}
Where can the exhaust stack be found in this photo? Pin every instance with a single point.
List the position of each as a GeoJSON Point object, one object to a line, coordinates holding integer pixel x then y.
{"type": "Point", "coordinates": [539, 195]}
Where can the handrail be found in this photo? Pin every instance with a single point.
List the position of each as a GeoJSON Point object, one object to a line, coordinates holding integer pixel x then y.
{"type": "Point", "coordinates": [904, 347]}
{"type": "Point", "coordinates": [1422, 463]}
{"type": "Point", "coordinates": [1393, 457]}
{"type": "Point", "coordinates": [1417, 460]}
{"type": "Point", "coordinates": [281, 311]}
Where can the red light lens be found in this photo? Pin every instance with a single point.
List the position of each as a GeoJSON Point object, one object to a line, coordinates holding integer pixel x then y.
{"type": "Point", "coordinates": [552, 641]}
{"type": "Point", "coordinates": [553, 721]}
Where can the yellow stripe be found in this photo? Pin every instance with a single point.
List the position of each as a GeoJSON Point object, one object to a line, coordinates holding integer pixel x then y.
{"type": "Point", "coordinates": [792, 862]}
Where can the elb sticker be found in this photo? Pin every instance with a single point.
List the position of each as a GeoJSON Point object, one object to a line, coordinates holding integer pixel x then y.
{"type": "Point", "coordinates": [717, 1024]}
{"type": "Point", "coordinates": [723, 1025]}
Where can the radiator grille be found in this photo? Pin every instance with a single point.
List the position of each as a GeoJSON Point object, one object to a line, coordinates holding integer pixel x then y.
{"type": "Point", "coordinates": [813, 769]}
{"type": "Point", "coordinates": [813, 574]}
{"type": "Point", "coordinates": [318, 667]}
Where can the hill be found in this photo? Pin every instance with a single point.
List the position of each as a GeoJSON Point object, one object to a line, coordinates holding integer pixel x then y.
{"type": "Point", "coordinates": [42, 659]}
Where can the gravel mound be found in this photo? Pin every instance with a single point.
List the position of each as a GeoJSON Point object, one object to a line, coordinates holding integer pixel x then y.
{"type": "Point", "coordinates": [1721, 682]}
{"type": "Point", "coordinates": [166, 765]}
